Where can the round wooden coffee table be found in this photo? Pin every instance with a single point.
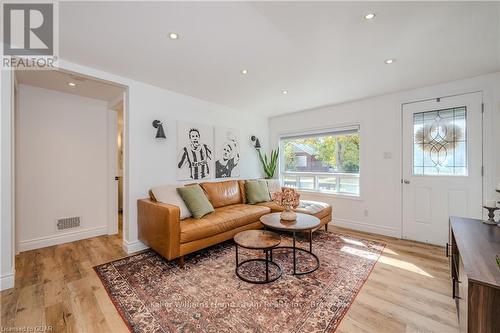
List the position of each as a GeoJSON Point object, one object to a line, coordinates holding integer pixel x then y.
{"type": "Point", "coordinates": [258, 240]}
{"type": "Point", "coordinates": [304, 222]}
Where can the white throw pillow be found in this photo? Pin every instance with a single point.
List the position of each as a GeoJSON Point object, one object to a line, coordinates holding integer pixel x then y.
{"type": "Point", "coordinates": [273, 185]}
{"type": "Point", "coordinates": [168, 194]}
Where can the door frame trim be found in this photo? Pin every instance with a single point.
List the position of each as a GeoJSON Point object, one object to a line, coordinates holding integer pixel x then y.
{"type": "Point", "coordinates": [444, 96]}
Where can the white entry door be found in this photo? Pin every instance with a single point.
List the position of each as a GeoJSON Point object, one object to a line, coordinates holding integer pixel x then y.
{"type": "Point", "coordinates": [442, 165]}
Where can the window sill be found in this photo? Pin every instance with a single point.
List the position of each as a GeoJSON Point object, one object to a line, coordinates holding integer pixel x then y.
{"type": "Point", "coordinates": [332, 195]}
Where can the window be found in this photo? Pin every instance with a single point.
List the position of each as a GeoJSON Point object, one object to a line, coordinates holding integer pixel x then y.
{"type": "Point", "coordinates": [440, 142]}
{"type": "Point", "coordinates": [327, 162]}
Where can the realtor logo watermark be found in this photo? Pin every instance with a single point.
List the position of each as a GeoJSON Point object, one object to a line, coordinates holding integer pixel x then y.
{"type": "Point", "coordinates": [29, 35]}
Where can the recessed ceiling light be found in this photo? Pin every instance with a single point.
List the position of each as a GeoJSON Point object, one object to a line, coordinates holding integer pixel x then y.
{"type": "Point", "coordinates": [244, 71]}
{"type": "Point", "coordinates": [284, 92]}
{"type": "Point", "coordinates": [370, 16]}
{"type": "Point", "coordinates": [71, 84]}
{"type": "Point", "coordinates": [390, 61]}
{"type": "Point", "coordinates": [173, 35]}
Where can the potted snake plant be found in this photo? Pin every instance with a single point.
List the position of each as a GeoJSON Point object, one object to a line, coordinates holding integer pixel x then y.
{"type": "Point", "coordinates": [269, 164]}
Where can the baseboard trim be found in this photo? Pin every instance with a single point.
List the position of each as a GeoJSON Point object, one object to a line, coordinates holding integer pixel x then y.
{"type": "Point", "coordinates": [134, 246]}
{"type": "Point", "coordinates": [367, 227]}
{"type": "Point", "coordinates": [7, 281]}
{"type": "Point", "coordinates": [37, 243]}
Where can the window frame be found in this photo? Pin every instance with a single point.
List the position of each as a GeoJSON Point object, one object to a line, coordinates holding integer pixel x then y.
{"type": "Point", "coordinates": [337, 130]}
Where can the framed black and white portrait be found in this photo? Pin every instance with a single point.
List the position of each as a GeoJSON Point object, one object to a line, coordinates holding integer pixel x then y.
{"type": "Point", "coordinates": [227, 152]}
{"type": "Point", "coordinates": [195, 151]}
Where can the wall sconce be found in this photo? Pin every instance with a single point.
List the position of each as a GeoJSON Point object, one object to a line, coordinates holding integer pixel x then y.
{"type": "Point", "coordinates": [160, 133]}
{"type": "Point", "coordinates": [257, 142]}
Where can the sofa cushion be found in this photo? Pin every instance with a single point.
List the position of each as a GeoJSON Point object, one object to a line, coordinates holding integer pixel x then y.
{"type": "Point", "coordinates": [222, 194]}
{"type": "Point", "coordinates": [221, 220]}
{"type": "Point", "coordinates": [316, 208]}
{"type": "Point", "coordinates": [272, 205]}
{"type": "Point", "coordinates": [257, 191]}
{"type": "Point", "coordinates": [196, 200]}
{"type": "Point", "coordinates": [273, 185]}
{"type": "Point", "coordinates": [168, 194]}
{"type": "Point", "coordinates": [243, 193]}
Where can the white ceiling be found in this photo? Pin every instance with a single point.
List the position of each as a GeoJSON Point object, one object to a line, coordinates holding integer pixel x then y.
{"type": "Point", "coordinates": [58, 80]}
{"type": "Point", "coordinates": [322, 52]}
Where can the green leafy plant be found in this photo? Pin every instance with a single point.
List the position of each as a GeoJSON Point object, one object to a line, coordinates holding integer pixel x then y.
{"type": "Point", "coordinates": [269, 164]}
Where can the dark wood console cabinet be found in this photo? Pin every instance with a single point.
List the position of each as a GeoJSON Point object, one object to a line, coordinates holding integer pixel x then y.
{"type": "Point", "coordinates": [475, 274]}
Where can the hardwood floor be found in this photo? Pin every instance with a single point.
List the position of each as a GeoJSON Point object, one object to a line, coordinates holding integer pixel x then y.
{"type": "Point", "coordinates": [408, 290]}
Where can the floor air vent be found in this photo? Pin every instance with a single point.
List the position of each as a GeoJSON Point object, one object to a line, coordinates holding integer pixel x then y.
{"type": "Point", "coordinates": [68, 223]}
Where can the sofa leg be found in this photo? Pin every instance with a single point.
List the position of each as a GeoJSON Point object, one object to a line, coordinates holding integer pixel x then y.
{"type": "Point", "coordinates": [326, 227]}
{"type": "Point", "coordinates": [181, 261]}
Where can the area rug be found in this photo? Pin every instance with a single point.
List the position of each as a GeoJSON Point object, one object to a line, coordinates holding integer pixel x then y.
{"type": "Point", "coordinates": [154, 295]}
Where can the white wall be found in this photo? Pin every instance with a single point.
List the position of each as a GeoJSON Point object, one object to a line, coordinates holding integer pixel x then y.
{"type": "Point", "coordinates": [378, 209]}
{"type": "Point", "coordinates": [61, 166]}
{"type": "Point", "coordinates": [153, 162]}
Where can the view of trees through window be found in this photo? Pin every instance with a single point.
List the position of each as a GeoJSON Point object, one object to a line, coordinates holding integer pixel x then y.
{"type": "Point", "coordinates": [326, 163]}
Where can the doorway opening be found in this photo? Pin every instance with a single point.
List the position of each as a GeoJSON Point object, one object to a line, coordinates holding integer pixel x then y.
{"type": "Point", "coordinates": [116, 138]}
{"type": "Point", "coordinates": [68, 158]}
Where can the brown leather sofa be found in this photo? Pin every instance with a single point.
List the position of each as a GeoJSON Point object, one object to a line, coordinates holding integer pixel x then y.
{"type": "Point", "coordinates": [161, 229]}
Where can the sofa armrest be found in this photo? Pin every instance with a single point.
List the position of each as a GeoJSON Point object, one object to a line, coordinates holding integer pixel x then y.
{"type": "Point", "coordinates": [159, 227]}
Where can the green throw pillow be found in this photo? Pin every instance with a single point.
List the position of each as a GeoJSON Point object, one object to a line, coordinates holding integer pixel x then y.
{"type": "Point", "coordinates": [257, 191]}
{"type": "Point", "coordinates": [196, 200]}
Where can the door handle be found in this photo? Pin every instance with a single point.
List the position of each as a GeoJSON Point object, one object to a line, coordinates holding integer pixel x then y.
{"type": "Point", "coordinates": [406, 181]}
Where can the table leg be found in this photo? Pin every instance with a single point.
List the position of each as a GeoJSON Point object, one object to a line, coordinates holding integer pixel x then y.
{"type": "Point", "coordinates": [310, 240]}
{"type": "Point", "coordinates": [294, 255]}
{"type": "Point", "coordinates": [267, 265]}
{"type": "Point", "coordinates": [236, 255]}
